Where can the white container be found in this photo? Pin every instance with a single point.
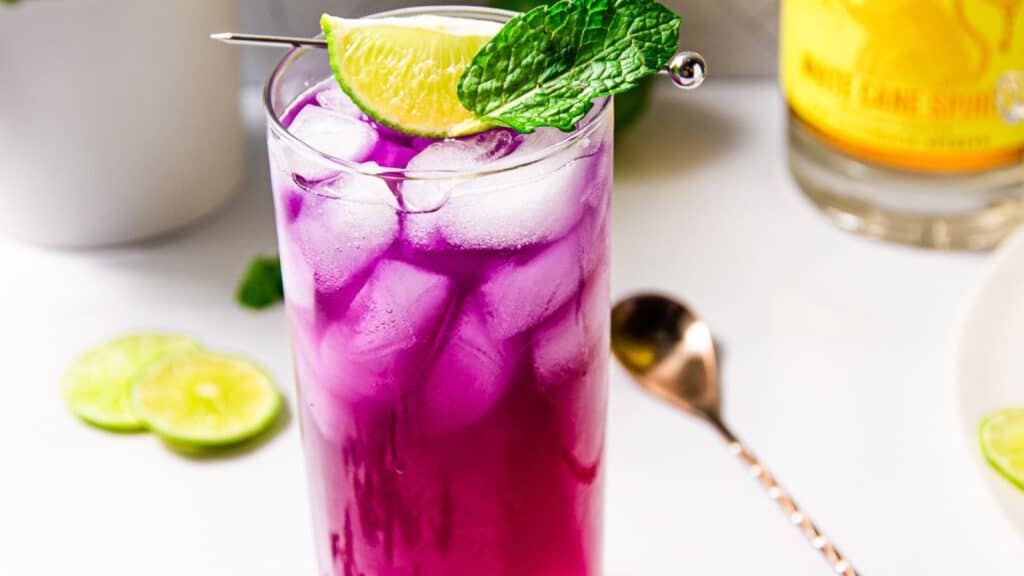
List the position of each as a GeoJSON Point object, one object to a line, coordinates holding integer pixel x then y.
{"type": "Point", "coordinates": [119, 119]}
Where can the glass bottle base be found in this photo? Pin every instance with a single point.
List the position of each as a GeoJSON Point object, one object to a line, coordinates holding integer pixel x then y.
{"type": "Point", "coordinates": [965, 211]}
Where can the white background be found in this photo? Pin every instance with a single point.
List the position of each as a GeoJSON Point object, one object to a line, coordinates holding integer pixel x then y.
{"type": "Point", "coordinates": [838, 372]}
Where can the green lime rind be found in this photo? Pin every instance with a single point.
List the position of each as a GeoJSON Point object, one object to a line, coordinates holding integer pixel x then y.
{"type": "Point", "coordinates": [97, 386]}
{"type": "Point", "coordinates": [1001, 437]}
{"type": "Point", "coordinates": [206, 400]}
{"type": "Point", "coordinates": [380, 61]}
{"type": "Point", "coordinates": [334, 56]}
{"type": "Point", "coordinates": [335, 59]}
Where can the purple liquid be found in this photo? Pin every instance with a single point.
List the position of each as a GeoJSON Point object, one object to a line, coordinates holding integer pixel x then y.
{"type": "Point", "coordinates": [452, 364]}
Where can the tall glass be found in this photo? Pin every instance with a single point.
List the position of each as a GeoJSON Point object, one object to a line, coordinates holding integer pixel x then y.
{"type": "Point", "coordinates": [449, 324]}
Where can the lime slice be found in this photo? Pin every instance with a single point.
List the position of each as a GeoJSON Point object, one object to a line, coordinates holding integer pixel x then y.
{"type": "Point", "coordinates": [97, 386]}
{"type": "Point", "coordinates": [403, 72]}
{"type": "Point", "coordinates": [206, 400]}
{"type": "Point", "coordinates": [1002, 442]}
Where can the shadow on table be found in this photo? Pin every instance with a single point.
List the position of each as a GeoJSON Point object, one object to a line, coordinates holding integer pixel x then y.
{"type": "Point", "coordinates": [676, 134]}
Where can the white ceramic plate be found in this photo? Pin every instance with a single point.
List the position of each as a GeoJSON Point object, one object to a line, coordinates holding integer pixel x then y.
{"type": "Point", "coordinates": [990, 362]}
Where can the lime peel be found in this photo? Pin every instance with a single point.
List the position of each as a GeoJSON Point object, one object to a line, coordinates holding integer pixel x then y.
{"type": "Point", "coordinates": [1001, 436]}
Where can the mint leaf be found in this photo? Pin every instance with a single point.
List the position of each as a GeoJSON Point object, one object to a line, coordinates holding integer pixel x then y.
{"type": "Point", "coordinates": [546, 67]}
{"type": "Point", "coordinates": [262, 285]}
{"type": "Point", "coordinates": [630, 105]}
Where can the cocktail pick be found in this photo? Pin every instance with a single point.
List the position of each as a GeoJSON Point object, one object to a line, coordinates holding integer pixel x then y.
{"type": "Point", "coordinates": [686, 69]}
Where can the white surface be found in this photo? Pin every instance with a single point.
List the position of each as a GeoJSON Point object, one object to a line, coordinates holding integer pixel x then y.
{"type": "Point", "coordinates": [990, 362]}
{"type": "Point", "coordinates": [838, 371]}
{"type": "Point", "coordinates": [108, 105]}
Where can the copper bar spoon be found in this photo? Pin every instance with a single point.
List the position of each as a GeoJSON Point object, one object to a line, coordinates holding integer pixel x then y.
{"type": "Point", "coordinates": [670, 352]}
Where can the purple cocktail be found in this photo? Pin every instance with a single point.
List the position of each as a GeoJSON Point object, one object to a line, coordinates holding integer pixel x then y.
{"type": "Point", "coordinates": [448, 307]}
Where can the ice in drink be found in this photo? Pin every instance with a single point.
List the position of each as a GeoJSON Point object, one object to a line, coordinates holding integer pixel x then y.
{"type": "Point", "coordinates": [449, 323]}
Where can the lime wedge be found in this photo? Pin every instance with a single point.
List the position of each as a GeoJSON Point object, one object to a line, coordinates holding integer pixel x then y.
{"type": "Point", "coordinates": [97, 386]}
{"type": "Point", "coordinates": [205, 400]}
{"type": "Point", "coordinates": [1002, 442]}
{"type": "Point", "coordinates": [403, 72]}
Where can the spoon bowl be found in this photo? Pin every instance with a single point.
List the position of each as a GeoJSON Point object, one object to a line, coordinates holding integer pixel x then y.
{"type": "Point", "coordinates": [668, 351]}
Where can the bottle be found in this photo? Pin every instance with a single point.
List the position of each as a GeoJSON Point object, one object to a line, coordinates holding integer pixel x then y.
{"type": "Point", "coordinates": [896, 130]}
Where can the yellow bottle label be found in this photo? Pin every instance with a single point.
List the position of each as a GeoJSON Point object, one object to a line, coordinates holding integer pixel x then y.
{"type": "Point", "coordinates": [907, 83]}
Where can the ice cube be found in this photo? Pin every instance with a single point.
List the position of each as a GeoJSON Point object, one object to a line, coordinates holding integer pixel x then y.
{"type": "Point", "coordinates": [305, 335]}
{"type": "Point", "coordinates": [570, 361]}
{"type": "Point", "coordinates": [333, 133]}
{"type": "Point", "coordinates": [560, 351]}
{"type": "Point", "coordinates": [374, 350]}
{"type": "Point", "coordinates": [519, 295]}
{"type": "Point", "coordinates": [358, 188]}
{"type": "Point", "coordinates": [430, 194]}
{"type": "Point", "coordinates": [580, 414]}
{"type": "Point", "coordinates": [327, 411]}
{"type": "Point", "coordinates": [297, 276]}
{"type": "Point", "coordinates": [469, 152]}
{"type": "Point", "coordinates": [527, 205]}
{"type": "Point", "coordinates": [332, 98]}
{"type": "Point", "coordinates": [468, 377]}
{"type": "Point", "coordinates": [603, 177]}
{"type": "Point", "coordinates": [565, 346]}
{"type": "Point", "coordinates": [400, 305]}
{"type": "Point", "coordinates": [330, 413]}
{"type": "Point", "coordinates": [593, 237]}
{"type": "Point", "coordinates": [340, 237]}
{"type": "Point", "coordinates": [328, 132]}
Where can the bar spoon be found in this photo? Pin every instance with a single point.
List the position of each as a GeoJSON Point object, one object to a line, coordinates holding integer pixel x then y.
{"type": "Point", "coordinates": [670, 353]}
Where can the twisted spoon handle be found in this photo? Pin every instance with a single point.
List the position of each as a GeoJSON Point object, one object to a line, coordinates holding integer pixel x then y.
{"type": "Point", "coordinates": [839, 564]}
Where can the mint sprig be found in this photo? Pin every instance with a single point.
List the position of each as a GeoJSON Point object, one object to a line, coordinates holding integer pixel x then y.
{"type": "Point", "coordinates": [546, 67]}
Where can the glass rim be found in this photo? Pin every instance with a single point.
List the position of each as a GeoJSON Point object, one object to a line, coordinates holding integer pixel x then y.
{"type": "Point", "coordinates": [594, 118]}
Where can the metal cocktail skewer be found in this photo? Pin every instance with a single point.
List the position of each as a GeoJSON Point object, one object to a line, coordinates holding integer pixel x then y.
{"type": "Point", "coordinates": [686, 69]}
{"type": "Point", "coordinates": [261, 40]}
